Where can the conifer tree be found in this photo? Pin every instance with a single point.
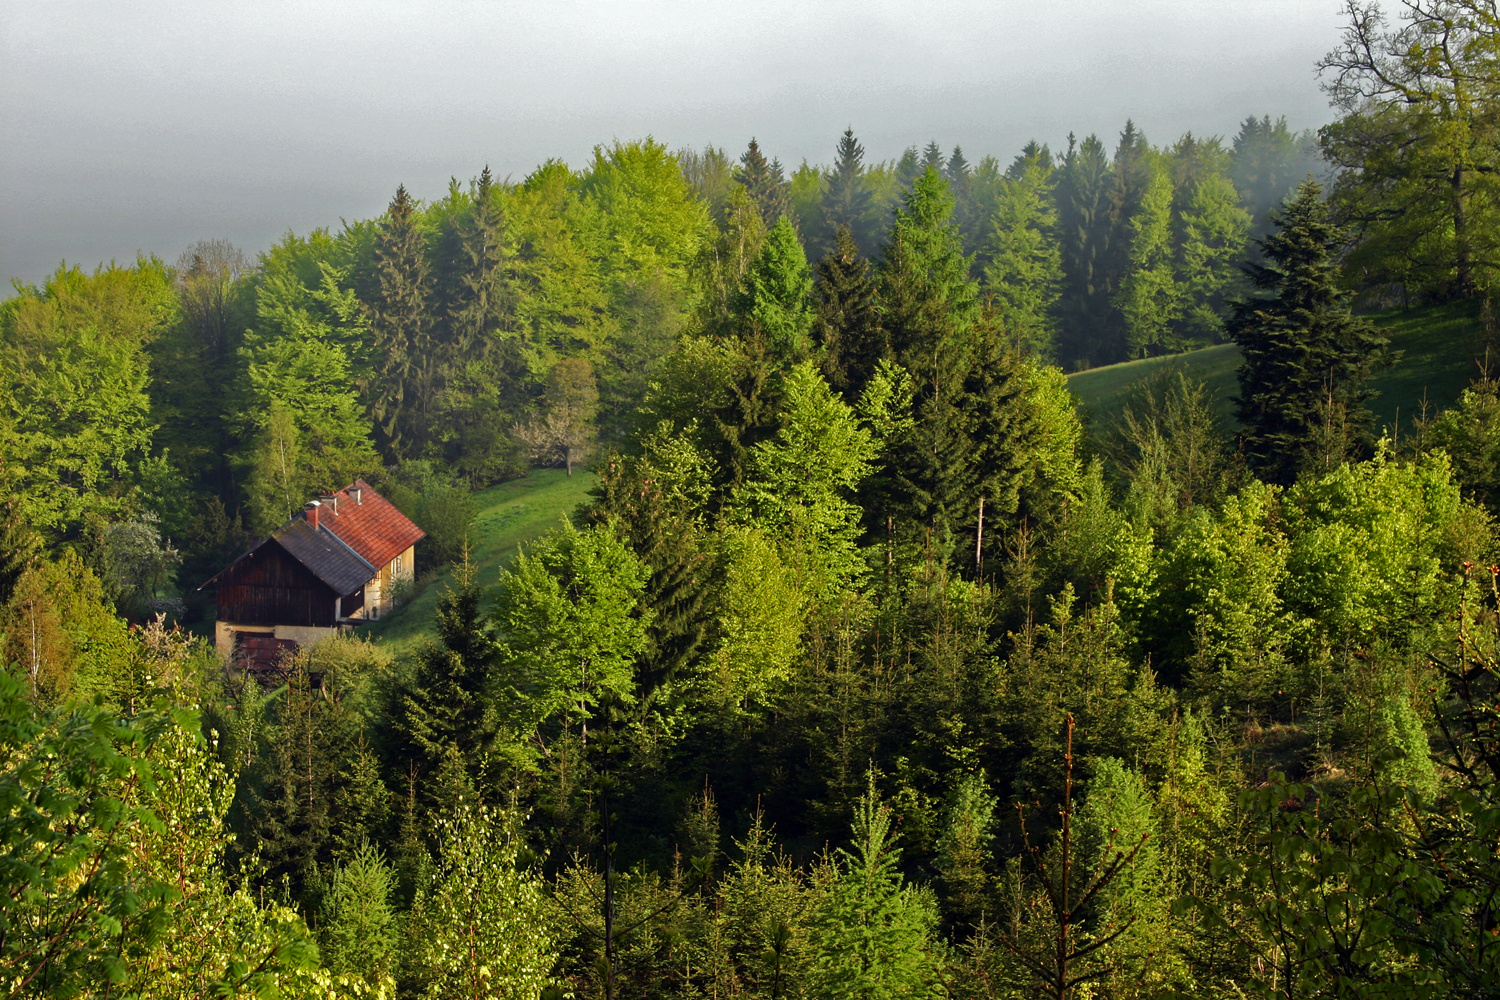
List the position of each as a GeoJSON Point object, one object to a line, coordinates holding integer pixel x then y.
{"type": "Point", "coordinates": [847, 323]}
{"type": "Point", "coordinates": [874, 936]}
{"type": "Point", "coordinates": [293, 820]}
{"type": "Point", "coordinates": [446, 709]}
{"type": "Point", "coordinates": [765, 183]}
{"type": "Point", "coordinates": [655, 501]}
{"type": "Point", "coordinates": [846, 200]}
{"type": "Point", "coordinates": [932, 157]}
{"type": "Point", "coordinates": [1025, 274]}
{"type": "Point", "coordinates": [1307, 361]}
{"type": "Point", "coordinates": [1150, 299]}
{"type": "Point", "coordinates": [400, 389]}
{"type": "Point", "coordinates": [909, 167]}
{"type": "Point", "coordinates": [930, 306]}
{"type": "Point", "coordinates": [1083, 220]}
{"type": "Point", "coordinates": [1130, 178]}
{"type": "Point", "coordinates": [775, 299]}
{"type": "Point", "coordinates": [480, 305]}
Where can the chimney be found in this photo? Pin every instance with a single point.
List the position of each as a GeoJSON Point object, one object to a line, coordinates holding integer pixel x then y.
{"type": "Point", "coordinates": [311, 508]}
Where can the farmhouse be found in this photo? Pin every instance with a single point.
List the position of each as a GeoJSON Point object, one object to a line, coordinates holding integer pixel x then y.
{"type": "Point", "coordinates": [335, 565]}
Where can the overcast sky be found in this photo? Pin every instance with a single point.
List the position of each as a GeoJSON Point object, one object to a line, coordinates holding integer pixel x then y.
{"type": "Point", "coordinates": [144, 126]}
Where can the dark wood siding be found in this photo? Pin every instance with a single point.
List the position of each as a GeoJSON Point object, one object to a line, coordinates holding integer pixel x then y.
{"type": "Point", "coordinates": [269, 587]}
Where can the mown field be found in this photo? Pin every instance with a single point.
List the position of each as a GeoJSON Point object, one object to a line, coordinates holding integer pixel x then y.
{"type": "Point", "coordinates": [1437, 346]}
{"type": "Point", "coordinates": [510, 515]}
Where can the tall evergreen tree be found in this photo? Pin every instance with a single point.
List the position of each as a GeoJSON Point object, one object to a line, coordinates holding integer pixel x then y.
{"type": "Point", "coordinates": [909, 167]}
{"type": "Point", "coordinates": [765, 183]}
{"type": "Point", "coordinates": [1150, 298]}
{"type": "Point", "coordinates": [847, 322]}
{"type": "Point", "coordinates": [846, 200]}
{"type": "Point", "coordinates": [1024, 275]}
{"type": "Point", "coordinates": [929, 308]}
{"type": "Point", "coordinates": [445, 713]}
{"type": "Point", "coordinates": [932, 157]}
{"type": "Point", "coordinates": [1130, 179]}
{"type": "Point", "coordinates": [1267, 162]}
{"type": "Point", "coordinates": [1083, 218]}
{"type": "Point", "coordinates": [1304, 380]}
{"type": "Point", "coordinates": [400, 389]}
{"type": "Point", "coordinates": [776, 296]}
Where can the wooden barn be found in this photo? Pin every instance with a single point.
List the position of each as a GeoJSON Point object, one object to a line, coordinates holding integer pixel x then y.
{"type": "Point", "coordinates": [333, 566]}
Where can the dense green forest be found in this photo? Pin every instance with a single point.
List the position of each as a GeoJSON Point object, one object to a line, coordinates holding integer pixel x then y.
{"type": "Point", "coordinates": [871, 666]}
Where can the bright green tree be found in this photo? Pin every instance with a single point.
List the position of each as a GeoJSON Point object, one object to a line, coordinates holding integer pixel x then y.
{"type": "Point", "coordinates": [873, 936]}
{"type": "Point", "coordinates": [1024, 274]}
{"type": "Point", "coordinates": [775, 300]}
{"type": "Point", "coordinates": [1150, 298]}
{"type": "Point", "coordinates": [483, 926]}
{"type": "Point", "coordinates": [1214, 233]}
{"type": "Point", "coordinates": [800, 482]}
{"type": "Point", "coordinates": [74, 410]}
{"type": "Point", "coordinates": [302, 416]}
{"type": "Point", "coordinates": [570, 626]}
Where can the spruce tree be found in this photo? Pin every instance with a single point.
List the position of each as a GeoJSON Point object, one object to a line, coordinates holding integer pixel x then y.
{"type": "Point", "coordinates": [445, 709]}
{"type": "Point", "coordinates": [480, 306]}
{"type": "Point", "coordinates": [1024, 275]}
{"type": "Point", "coordinates": [1083, 221]}
{"type": "Point", "coordinates": [1304, 378]}
{"type": "Point", "coordinates": [932, 157]}
{"type": "Point", "coordinates": [929, 307]}
{"type": "Point", "coordinates": [776, 296]}
{"type": "Point", "coordinates": [846, 200]}
{"type": "Point", "coordinates": [1130, 180]}
{"type": "Point", "coordinates": [765, 184]}
{"type": "Point", "coordinates": [909, 167]}
{"type": "Point", "coordinates": [847, 323]}
{"type": "Point", "coordinates": [400, 387]}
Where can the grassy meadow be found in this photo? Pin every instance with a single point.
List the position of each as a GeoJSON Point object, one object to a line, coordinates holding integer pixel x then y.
{"type": "Point", "coordinates": [1436, 356]}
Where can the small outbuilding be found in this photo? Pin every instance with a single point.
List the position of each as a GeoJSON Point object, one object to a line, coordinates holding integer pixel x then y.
{"type": "Point", "coordinates": [337, 564]}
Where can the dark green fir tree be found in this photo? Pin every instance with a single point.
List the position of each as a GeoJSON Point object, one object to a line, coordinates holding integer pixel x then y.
{"type": "Point", "coordinates": [446, 713]}
{"type": "Point", "coordinates": [1304, 380]}
{"type": "Point", "coordinates": [400, 386]}
{"type": "Point", "coordinates": [847, 323]}
{"type": "Point", "coordinates": [765, 183]}
{"type": "Point", "coordinates": [846, 200]}
{"type": "Point", "coordinates": [1083, 224]}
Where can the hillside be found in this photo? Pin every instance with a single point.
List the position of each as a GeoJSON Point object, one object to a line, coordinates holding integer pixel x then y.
{"type": "Point", "coordinates": [510, 515]}
{"type": "Point", "coordinates": [1437, 346]}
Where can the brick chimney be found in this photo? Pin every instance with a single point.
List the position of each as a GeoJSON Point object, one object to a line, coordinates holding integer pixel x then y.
{"type": "Point", "coordinates": [311, 509]}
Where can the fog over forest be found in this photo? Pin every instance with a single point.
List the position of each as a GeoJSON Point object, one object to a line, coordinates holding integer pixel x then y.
{"type": "Point", "coordinates": [150, 125]}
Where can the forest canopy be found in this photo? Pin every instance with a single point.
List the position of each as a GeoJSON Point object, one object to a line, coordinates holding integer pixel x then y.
{"type": "Point", "coordinates": [873, 665]}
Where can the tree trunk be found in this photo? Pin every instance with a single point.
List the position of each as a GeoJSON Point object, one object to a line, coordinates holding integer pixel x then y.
{"type": "Point", "coordinates": [1463, 267]}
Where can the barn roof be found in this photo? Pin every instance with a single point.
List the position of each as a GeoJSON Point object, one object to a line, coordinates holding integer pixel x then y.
{"type": "Point", "coordinates": [358, 532]}
{"type": "Point", "coordinates": [369, 523]}
{"type": "Point", "coordinates": [329, 557]}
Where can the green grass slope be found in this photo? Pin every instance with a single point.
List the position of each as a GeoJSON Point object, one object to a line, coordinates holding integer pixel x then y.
{"type": "Point", "coordinates": [1437, 346]}
{"type": "Point", "coordinates": [510, 515]}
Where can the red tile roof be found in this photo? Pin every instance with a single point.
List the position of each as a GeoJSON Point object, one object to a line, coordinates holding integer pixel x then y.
{"type": "Point", "coordinates": [370, 525]}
